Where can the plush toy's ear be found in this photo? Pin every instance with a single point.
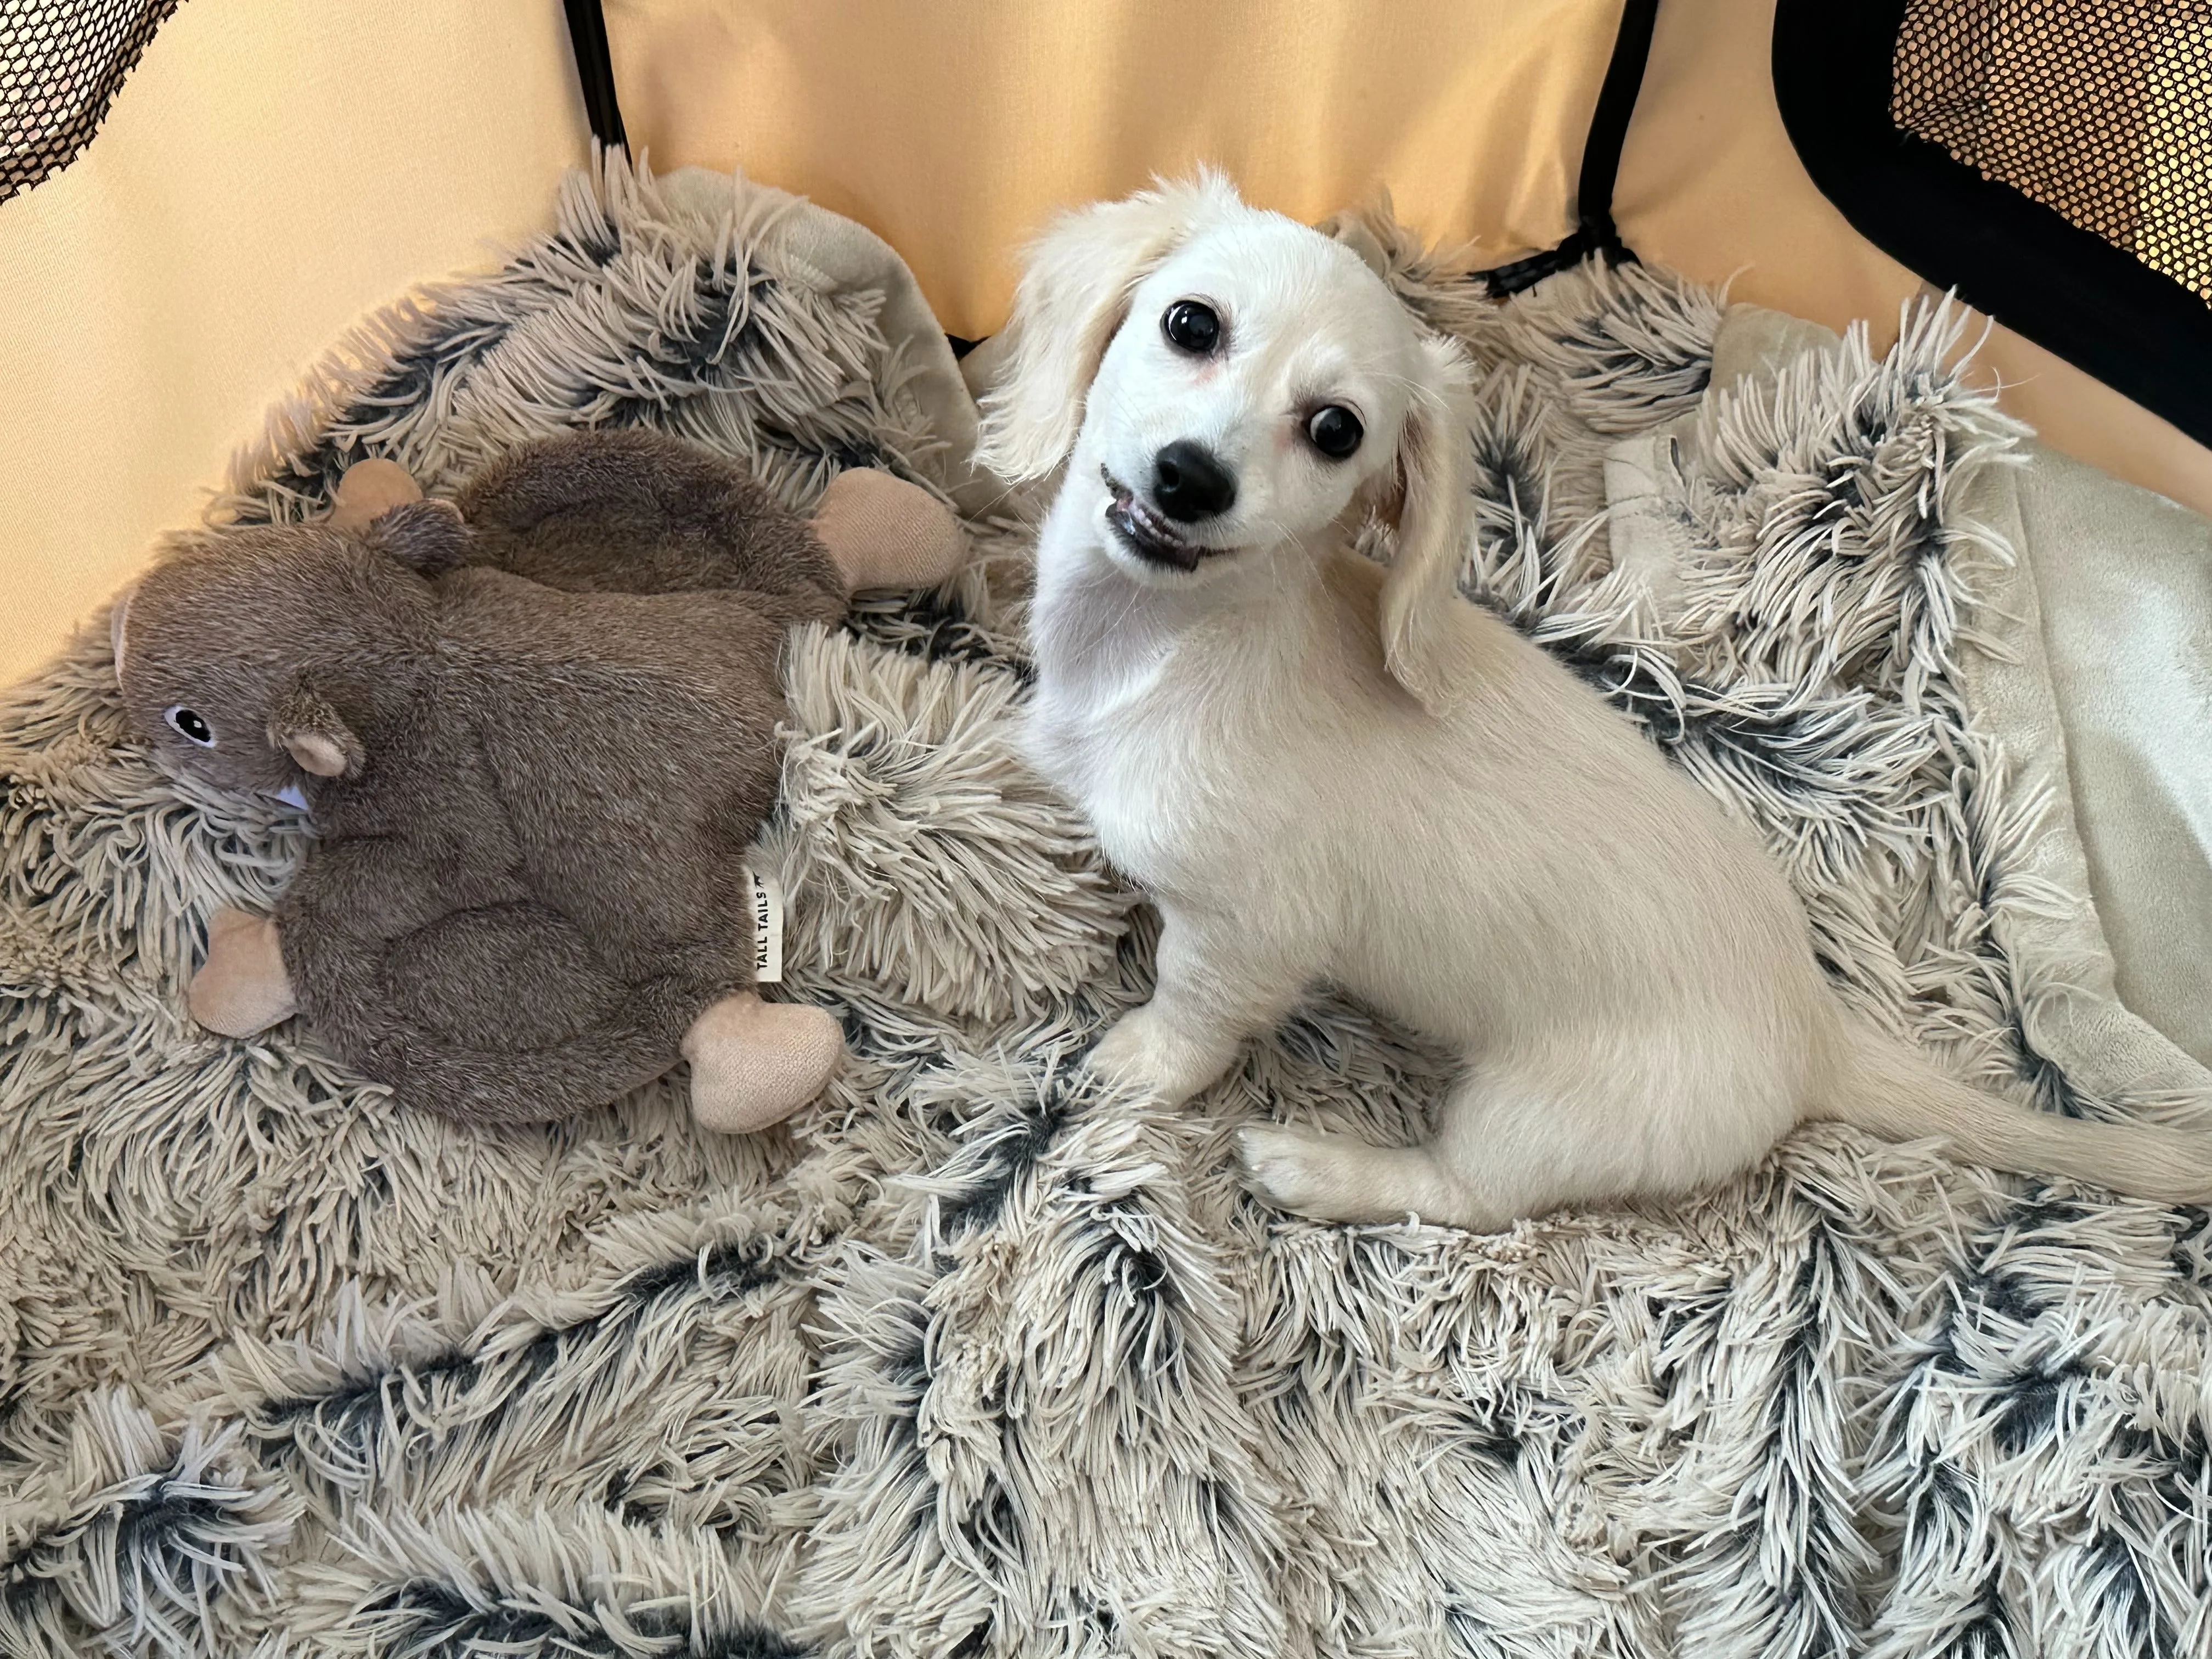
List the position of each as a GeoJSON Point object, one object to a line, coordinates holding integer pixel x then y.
{"type": "Point", "coordinates": [118, 627]}
{"type": "Point", "coordinates": [308, 729]}
{"type": "Point", "coordinates": [370, 490]}
{"type": "Point", "coordinates": [1071, 300]}
{"type": "Point", "coordinates": [1434, 513]}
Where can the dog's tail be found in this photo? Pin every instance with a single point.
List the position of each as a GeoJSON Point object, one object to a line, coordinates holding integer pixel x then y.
{"type": "Point", "coordinates": [1891, 1088]}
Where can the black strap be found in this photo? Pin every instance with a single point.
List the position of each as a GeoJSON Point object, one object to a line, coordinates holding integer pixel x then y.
{"type": "Point", "coordinates": [595, 69]}
{"type": "Point", "coordinates": [1595, 232]}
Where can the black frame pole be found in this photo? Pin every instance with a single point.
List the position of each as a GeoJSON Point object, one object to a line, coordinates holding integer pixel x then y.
{"type": "Point", "coordinates": [595, 71]}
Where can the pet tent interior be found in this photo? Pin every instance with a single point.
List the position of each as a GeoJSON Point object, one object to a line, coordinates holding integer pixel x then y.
{"type": "Point", "coordinates": [971, 1359]}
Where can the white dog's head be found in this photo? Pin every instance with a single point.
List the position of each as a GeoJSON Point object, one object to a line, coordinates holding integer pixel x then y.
{"type": "Point", "coordinates": [1228, 384]}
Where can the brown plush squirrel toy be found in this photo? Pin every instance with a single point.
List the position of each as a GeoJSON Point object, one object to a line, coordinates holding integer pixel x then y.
{"type": "Point", "coordinates": [536, 731]}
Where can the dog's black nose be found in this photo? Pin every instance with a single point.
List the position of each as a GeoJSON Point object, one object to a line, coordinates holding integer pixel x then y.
{"type": "Point", "coordinates": [1190, 484]}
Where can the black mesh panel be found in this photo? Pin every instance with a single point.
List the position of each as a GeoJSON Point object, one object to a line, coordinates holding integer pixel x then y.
{"type": "Point", "coordinates": [61, 63]}
{"type": "Point", "coordinates": [2101, 110]}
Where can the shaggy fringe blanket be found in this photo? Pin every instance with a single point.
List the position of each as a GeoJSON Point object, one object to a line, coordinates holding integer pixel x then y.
{"type": "Point", "coordinates": [972, 1358]}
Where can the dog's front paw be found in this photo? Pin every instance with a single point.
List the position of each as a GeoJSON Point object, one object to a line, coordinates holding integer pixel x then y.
{"type": "Point", "coordinates": [1289, 1169]}
{"type": "Point", "coordinates": [1130, 1055]}
{"type": "Point", "coordinates": [1144, 1053]}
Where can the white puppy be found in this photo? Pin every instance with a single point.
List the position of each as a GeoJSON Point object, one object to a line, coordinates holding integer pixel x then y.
{"type": "Point", "coordinates": [1323, 772]}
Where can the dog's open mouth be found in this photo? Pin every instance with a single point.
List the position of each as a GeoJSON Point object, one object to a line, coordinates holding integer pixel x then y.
{"type": "Point", "coordinates": [1148, 533]}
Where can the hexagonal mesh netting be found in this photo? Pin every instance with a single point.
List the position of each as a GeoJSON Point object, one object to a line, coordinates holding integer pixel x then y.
{"type": "Point", "coordinates": [2101, 110]}
{"type": "Point", "coordinates": [61, 63]}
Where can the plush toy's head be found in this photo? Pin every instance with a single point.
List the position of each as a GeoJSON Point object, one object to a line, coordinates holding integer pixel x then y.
{"type": "Point", "coordinates": [229, 654]}
{"type": "Point", "coordinates": [236, 655]}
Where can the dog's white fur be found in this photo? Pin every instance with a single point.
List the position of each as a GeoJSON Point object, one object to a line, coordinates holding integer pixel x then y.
{"type": "Point", "coordinates": [1321, 772]}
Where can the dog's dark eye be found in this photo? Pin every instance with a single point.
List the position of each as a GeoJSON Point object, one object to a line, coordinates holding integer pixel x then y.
{"type": "Point", "coordinates": [1335, 431]}
{"type": "Point", "coordinates": [1192, 327]}
{"type": "Point", "coordinates": [187, 725]}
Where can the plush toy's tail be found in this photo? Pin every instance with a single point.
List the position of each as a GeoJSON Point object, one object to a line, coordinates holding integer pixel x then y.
{"type": "Point", "coordinates": [1893, 1091]}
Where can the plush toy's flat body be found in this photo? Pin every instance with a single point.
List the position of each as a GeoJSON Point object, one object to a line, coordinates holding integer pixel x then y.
{"type": "Point", "coordinates": [537, 737]}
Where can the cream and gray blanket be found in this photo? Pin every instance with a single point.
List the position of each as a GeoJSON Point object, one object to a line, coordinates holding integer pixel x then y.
{"type": "Point", "coordinates": [974, 1359]}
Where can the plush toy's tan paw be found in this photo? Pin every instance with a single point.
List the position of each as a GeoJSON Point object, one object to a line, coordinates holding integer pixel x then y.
{"type": "Point", "coordinates": [883, 532]}
{"type": "Point", "coordinates": [755, 1063]}
{"type": "Point", "coordinates": [369, 489]}
{"type": "Point", "coordinates": [241, 989]}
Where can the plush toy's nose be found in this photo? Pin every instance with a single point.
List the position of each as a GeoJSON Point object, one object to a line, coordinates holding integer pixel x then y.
{"type": "Point", "coordinates": [1191, 483]}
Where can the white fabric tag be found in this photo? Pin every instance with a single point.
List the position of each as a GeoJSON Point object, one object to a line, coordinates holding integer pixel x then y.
{"type": "Point", "coordinates": [1648, 526]}
{"type": "Point", "coordinates": [767, 928]}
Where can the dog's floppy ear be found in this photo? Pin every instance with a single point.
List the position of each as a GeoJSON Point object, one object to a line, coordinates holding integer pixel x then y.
{"type": "Point", "coordinates": [1434, 513]}
{"type": "Point", "coordinates": [1071, 299]}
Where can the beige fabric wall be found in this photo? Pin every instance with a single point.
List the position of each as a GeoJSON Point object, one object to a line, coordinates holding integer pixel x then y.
{"type": "Point", "coordinates": [270, 171]}
{"type": "Point", "coordinates": [951, 127]}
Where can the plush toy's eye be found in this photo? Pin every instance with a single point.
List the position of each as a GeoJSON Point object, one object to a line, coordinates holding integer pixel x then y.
{"type": "Point", "coordinates": [189, 726]}
{"type": "Point", "coordinates": [1335, 431]}
{"type": "Point", "coordinates": [1192, 325]}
